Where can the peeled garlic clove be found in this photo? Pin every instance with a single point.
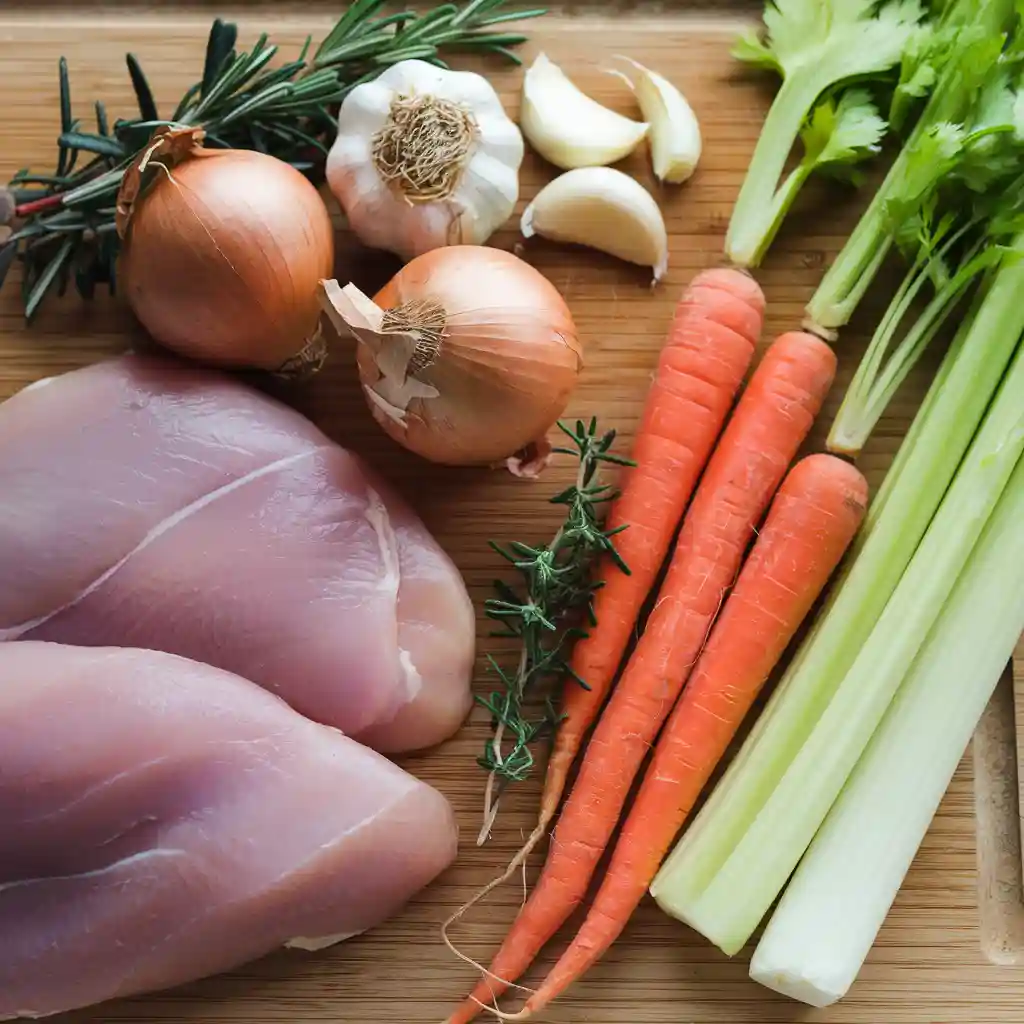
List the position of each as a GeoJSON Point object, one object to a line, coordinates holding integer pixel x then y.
{"type": "Point", "coordinates": [674, 133]}
{"type": "Point", "coordinates": [567, 127]}
{"type": "Point", "coordinates": [604, 209]}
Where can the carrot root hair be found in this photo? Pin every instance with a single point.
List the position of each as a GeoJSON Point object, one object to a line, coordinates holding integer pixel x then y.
{"type": "Point", "coordinates": [524, 1014]}
{"type": "Point", "coordinates": [517, 863]}
{"type": "Point", "coordinates": [491, 1008]}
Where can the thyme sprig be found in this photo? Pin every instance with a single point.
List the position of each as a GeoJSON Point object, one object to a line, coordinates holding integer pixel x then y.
{"type": "Point", "coordinates": [545, 613]}
{"type": "Point", "coordinates": [61, 224]}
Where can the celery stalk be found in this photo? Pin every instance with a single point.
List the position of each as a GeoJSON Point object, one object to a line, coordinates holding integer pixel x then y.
{"type": "Point", "coordinates": [760, 207]}
{"type": "Point", "coordinates": [955, 365]}
{"type": "Point", "coordinates": [924, 467]}
{"type": "Point", "coordinates": [857, 861]}
{"type": "Point", "coordinates": [728, 905]}
{"type": "Point", "coordinates": [874, 385]}
{"type": "Point", "coordinates": [816, 46]}
{"type": "Point", "coordinates": [958, 206]}
{"type": "Point", "coordinates": [975, 33]}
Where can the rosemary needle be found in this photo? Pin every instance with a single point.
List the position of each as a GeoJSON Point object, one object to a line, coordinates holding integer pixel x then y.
{"type": "Point", "coordinates": [63, 222]}
{"type": "Point", "coordinates": [544, 613]}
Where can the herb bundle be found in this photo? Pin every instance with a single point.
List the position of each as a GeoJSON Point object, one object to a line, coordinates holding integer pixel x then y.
{"type": "Point", "coordinates": [63, 222]}
{"type": "Point", "coordinates": [544, 614]}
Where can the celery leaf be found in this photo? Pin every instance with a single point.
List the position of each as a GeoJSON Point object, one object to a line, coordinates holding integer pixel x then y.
{"type": "Point", "coordinates": [929, 158]}
{"type": "Point", "coordinates": [751, 50]}
{"type": "Point", "coordinates": [860, 36]}
{"type": "Point", "coordinates": [816, 46]}
{"type": "Point", "coordinates": [961, 129]}
{"type": "Point", "coordinates": [926, 53]}
{"type": "Point", "coordinates": [841, 133]}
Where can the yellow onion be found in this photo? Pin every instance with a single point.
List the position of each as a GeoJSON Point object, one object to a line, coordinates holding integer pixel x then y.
{"type": "Point", "coordinates": [223, 253]}
{"type": "Point", "coordinates": [467, 356]}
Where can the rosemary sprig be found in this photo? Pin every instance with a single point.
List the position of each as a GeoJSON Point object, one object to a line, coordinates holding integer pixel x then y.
{"type": "Point", "coordinates": [63, 222]}
{"type": "Point", "coordinates": [544, 614]}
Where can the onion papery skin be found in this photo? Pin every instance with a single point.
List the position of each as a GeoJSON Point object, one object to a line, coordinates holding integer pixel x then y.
{"type": "Point", "coordinates": [506, 366]}
{"type": "Point", "coordinates": [222, 258]}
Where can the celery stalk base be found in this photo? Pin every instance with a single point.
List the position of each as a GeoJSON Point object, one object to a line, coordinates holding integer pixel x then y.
{"type": "Point", "coordinates": [858, 859]}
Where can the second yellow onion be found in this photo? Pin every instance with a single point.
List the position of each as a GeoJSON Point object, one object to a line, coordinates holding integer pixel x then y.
{"type": "Point", "coordinates": [467, 356]}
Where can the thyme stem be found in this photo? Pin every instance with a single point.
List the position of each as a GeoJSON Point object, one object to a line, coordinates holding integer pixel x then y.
{"type": "Point", "coordinates": [544, 614]}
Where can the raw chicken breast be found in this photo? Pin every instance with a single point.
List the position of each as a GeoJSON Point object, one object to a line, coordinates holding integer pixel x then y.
{"type": "Point", "coordinates": [144, 503]}
{"type": "Point", "coordinates": [163, 821]}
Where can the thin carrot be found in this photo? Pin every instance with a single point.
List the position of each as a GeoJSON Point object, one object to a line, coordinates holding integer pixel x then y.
{"type": "Point", "coordinates": [770, 423]}
{"type": "Point", "coordinates": [708, 350]}
{"type": "Point", "coordinates": [818, 509]}
{"type": "Point", "coordinates": [710, 346]}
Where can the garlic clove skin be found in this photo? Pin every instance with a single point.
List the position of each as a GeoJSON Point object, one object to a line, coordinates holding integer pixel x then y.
{"type": "Point", "coordinates": [387, 200]}
{"type": "Point", "coordinates": [674, 136]}
{"type": "Point", "coordinates": [604, 209]}
{"type": "Point", "coordinates": [567, 127]}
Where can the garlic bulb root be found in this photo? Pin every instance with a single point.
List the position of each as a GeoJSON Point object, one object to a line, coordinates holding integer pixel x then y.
{"type": "Point", "coordinates": [424, 158]}
{"type": "Point", "coordinates": [423, 147]}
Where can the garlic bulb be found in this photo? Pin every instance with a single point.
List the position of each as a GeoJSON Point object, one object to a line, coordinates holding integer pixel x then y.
{"type": "Point", "coordinates": [424, 157]}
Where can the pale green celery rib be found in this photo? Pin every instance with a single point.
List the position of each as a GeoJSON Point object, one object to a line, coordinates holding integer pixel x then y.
{"type": "Point", "coordinates": [964, 361]}
{"type": "Point", "coordinates": [754, 871]}
{"type": "Point", "coordinates": [874, 385]}
{"type": "Point", "coordinates": [858, 859]}
{"type": "Point", "coordinates": [926, 463]}
{"type": "Point", "coordinates": [760, 206]}
{"type": "Point", "coordinates": [853, 270]}
{"type": "Point", "coordinates": [851, 413]}
{"type": "Point", "coordinates": [934, 399]}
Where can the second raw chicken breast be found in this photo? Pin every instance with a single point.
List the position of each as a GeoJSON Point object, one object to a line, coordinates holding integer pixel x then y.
{"type": "Point", "coordinates": [147, 504]}
{"type": "Point", "coordinates": [161, 821]}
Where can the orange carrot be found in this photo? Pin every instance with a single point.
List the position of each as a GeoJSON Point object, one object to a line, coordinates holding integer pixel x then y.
{"type": "Point", "coordinates": [817, 511]}
{"type": "Point", "coordinates": [709, 347]}
{"type": "Point", "coordinates": [770, 423]}
{"type": "Point", "coordinates": [710, 344]}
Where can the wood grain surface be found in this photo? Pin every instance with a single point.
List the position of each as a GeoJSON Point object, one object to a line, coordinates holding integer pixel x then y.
{"type": "Point", "coordinates": [927, 966]}
{"type": "Point", "coordinates": [1018, 719]}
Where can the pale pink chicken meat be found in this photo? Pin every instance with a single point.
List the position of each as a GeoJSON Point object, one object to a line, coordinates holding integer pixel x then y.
{"type": "Point", "coordinates": [144, 503]}
{"type": "Point", "coordinates": [163, 821]}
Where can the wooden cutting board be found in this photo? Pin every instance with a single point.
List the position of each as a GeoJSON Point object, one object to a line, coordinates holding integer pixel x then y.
{"type": "Point", "coordinates": [928, 965]}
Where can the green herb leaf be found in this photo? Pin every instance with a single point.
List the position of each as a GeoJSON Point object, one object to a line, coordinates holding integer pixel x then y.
{"type": "Point", "coordinates": [241, 101]}
{"type": "Point", "coordinates": [65, 114]}
{"type": "Point", "coordinates": [8, 253]}
{"type": "Point", "coordinates": [544, 613]}
{"type": "Point", "coordinates": [47, 277]}
{"type": "Point", "coordinates": [143, 94]}
{"type": "Point", "coordinates": [219, 47]}
{"type": "Point", "coordinates": [100, 144]}
{"type": "Point", "coordinates": [844, 131]}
